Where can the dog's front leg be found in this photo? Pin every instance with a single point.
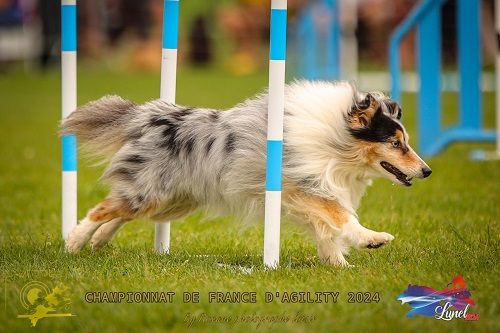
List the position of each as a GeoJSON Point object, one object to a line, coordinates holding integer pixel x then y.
{"type": "Point", "coordinates": [362, 238]}
{"type": "Point", "coordinates": [327, 218]}
{"type": "Point", "coordinates": [330, 246]}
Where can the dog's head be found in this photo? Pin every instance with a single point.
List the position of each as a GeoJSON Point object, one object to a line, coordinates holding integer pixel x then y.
{"type": "Point", "coordinates": [383, 142]}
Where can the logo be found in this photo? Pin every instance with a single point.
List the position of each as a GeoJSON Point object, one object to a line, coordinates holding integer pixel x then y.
{"type": "Point", "coordinates": [42, 302]}
{"type": "Point", "coordinates": [446, 304]}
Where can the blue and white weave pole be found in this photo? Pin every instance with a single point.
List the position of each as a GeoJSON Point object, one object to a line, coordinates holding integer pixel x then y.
{"type": "Point", "coordinates": [275, 111]}
{"type": "Point", "coordinates": [68, 91]}
{"type": "Point", "coordinates": [167, 92]}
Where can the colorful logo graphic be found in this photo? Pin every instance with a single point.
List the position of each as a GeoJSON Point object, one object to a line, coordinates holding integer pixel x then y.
{"type": "Point", "coordinates": [41, 302]}
{"type": "Point", "coordinates": [447, 304]}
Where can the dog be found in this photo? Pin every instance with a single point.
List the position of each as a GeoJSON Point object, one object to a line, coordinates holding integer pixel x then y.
{"type": "Point", "coordinates": [167, 161]}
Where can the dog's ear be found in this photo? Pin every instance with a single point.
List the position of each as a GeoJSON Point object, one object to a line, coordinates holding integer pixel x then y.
{"type": "Point", "coordinates": [363, 111]}
{"type": "Point", "coordinates": [394, 109]}
{"type": "Point", "coordinates": [368, 101]}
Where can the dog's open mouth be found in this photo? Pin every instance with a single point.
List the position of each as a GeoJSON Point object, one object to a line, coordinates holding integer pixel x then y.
{"type": "Point", "coordinates": [400, 175]}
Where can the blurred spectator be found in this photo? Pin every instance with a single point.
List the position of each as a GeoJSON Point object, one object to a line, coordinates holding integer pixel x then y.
{"type": "Point", "coordinates": [10, 13]}
{"type": "Point", "coordinates": [135, 26]}
{"type": "Point", "coordinates": [18, 33]}
{"type": "Point", "coordinates": [200, 48]}
{"type": "Point", "coordinates": [50, 17]}
{"type": "Point", "coordinates": [92, 22]}
{"type": "Point", "coordinates": [131, 15]}
{"type": "Point", "coordinates": [138, 22]}
{"type": "Point", "coordinates": [247, 25]}
{"type": "Point", "coordinates": [376, 20]}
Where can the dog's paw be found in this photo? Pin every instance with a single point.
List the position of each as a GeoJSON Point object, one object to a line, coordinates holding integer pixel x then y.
{"type": "Point", "coordinates": [97, 245]}
{"type": "Point", "coordinates": [376, 240]}
{"type": "Point", "coordinates": [80, 236]}
{"type": "Point", "coordinates": [336, 263]}
{"type": "Point", "coordinates": [336, 260]}
{"type": "Point", "coordinates": [74, 244]}
{"type": "Point", "coordinates": [98, 241]}
{"type": "Point", "coordinates": [339, 263]}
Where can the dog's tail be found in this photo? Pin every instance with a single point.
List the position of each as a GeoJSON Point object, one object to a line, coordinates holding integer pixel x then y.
{"type": "Point", "coordinates": [101, 125]}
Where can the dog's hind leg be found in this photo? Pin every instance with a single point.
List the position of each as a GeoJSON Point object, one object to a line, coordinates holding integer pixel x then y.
{"type": "Point", "coordinates": [105, 233]}
{"type": "Point", "coordinates": [82, 233]}
{"type": "Point", "coordinates": [108, 210]}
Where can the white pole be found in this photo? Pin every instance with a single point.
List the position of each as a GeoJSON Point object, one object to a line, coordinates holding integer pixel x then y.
{"type": "Point", "coordinates": [277, 58]}
{"type": "Point", "coordinates": [68, 100]}
{"type": "Point", "coordinates": [497, 72]}
{"type": "Point", "coordinates": [167, 91]}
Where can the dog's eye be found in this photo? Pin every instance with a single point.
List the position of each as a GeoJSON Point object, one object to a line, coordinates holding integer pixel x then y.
{"type": "Point", "coordinates": [396, 144]}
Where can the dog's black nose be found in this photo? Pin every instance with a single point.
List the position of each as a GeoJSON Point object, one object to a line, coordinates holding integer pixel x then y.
{"type": "Point", "coordinates": [426, 172]}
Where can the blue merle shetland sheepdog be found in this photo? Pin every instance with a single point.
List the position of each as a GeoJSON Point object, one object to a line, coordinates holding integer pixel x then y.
{"type": "Point", "coordinates": [166, 161]}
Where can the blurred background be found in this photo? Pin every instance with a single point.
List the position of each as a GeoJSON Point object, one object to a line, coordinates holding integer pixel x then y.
{"type": "Point", "coordinates": [231, 35]}
{"type": "Point", "coordinates": [447, 224]}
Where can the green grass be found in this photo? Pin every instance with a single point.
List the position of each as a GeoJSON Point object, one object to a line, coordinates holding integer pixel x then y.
{"type": "Point", "coordinates": [444, 226]}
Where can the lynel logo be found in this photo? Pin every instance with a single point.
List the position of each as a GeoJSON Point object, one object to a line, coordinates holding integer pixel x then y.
{"type": "Point", "coordinates": [42, 302]}
{"type": "Point", "coordinates": [446, 304]}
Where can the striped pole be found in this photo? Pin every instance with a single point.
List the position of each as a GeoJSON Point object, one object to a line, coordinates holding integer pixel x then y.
{"type": "Point", "coordinates": [167, 91]}
{"type": "Point", "coordinates": [275, 111]}
{"type": "Point", "coordinates": [68, 91]}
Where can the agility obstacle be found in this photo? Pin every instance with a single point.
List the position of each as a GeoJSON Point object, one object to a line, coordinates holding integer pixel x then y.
{"type": "Point", "coordinates": [277, 59]}
{"type": "Point", "coordinates": [68, 100]}
{"type": "Point", "coordinates": [167, 91]}
{"type": "Point", "coordinates": [426, 17]}
{"type": "Point", "coordinates": [275, 112]}
{"type": "Point", "coordinates": [318, 41]}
